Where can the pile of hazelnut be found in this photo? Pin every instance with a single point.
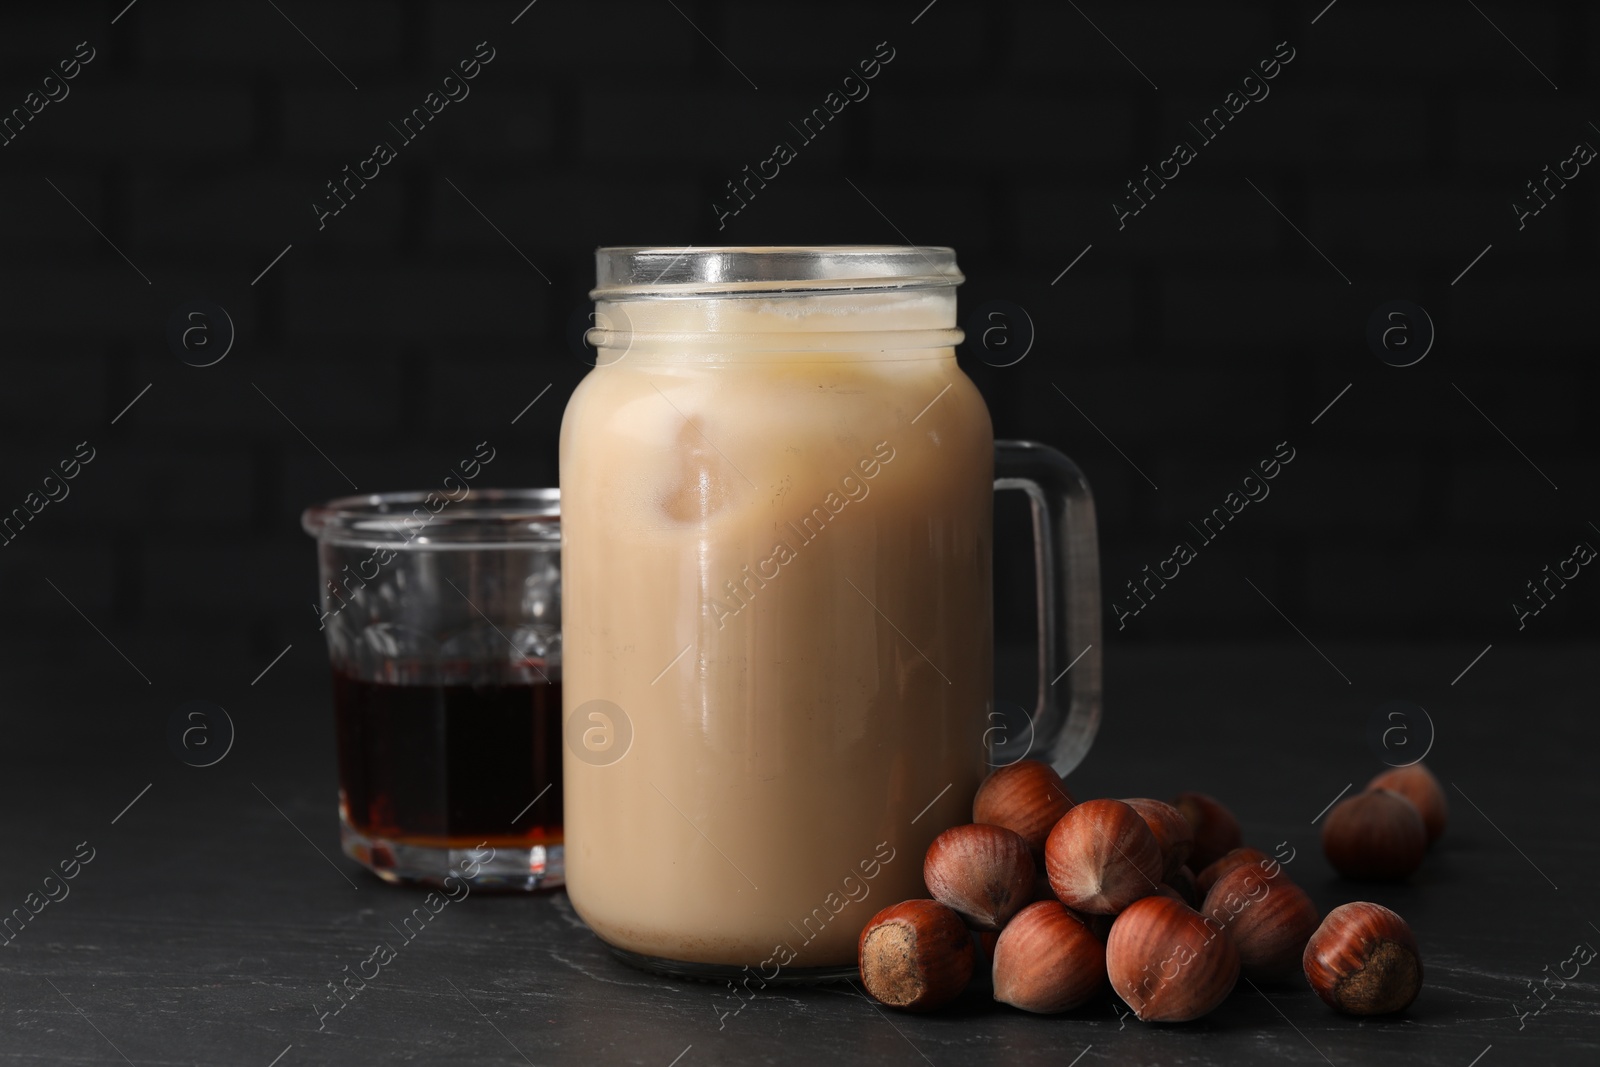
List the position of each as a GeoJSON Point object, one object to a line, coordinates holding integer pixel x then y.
{"type": "Point", "coordinates": [1118, 901]}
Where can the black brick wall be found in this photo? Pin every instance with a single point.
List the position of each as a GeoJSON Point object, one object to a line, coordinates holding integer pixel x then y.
{"type": "Point", "coordinates": [1196, 338]}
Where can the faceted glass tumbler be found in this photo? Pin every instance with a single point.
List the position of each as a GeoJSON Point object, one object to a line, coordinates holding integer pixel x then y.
{"type": "Point", "coordinates": [443, 617]}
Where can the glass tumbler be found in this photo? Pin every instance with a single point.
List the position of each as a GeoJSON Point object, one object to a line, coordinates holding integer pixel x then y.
{"type": "Point", "coordinates": [443, 617]}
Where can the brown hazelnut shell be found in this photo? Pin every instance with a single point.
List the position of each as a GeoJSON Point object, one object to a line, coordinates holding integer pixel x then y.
{"type": "Point", "coordinates": [1167, 963]}
{"type": "Point", "coordinates": [1172, 831]}
{"type": "Point", "coordinates": [1375, 836]}
{"type": "Point", "coordinates": [1269, 918]}
{"type": "Point", "coordinates": [984, 872]}
{"type": "Point", "coordinates": [916, 955]}
{"type": "Point", "coordinates": [1238, 857]}
{"type": "Point", "coordinates": [1027, 797]}
{"type": "Point", "coordinates": [1216, 831]}
{"type": "Point", "coordinates": [1101, 857]}
{"type": "Point", "coordinates": [1046, 960]}
{"type": "Point", "coordinates": [1364, 960]}
{"type": "Point", "coordinates": [1417, 784]}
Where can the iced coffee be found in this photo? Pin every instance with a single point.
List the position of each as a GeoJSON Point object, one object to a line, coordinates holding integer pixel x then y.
{"type": "Point", "coordinates": [777, 571]}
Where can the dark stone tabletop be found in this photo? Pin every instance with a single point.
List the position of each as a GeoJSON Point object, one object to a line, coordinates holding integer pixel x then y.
{"type": "Point", "coordinates": [217, 907]}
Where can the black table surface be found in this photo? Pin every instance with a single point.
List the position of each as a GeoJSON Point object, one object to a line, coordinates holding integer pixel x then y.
{"type": "Point", "coordinates": [217, 907]}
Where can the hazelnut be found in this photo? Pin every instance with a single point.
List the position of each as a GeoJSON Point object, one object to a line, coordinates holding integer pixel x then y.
{"type": "Point", "coordinates": [1417, 784]}
{"type": "Point", "coordinates": [1047, 960]}
{"type": "Point", "coordinates": [1268, 917]}
{"type": "Point", "coordinates": [1363, 960]}
{"type": "Point", "coordinates": [1238, 857]}
{"type": "Point", "coordinates": [1167, 963]}
{"type": "Point", "coordinates": [984, 872]}
{"type": "Point", "coordinates": [916, 955]}
{"type": "Point", "coordinates": [1026, 796]}
{"type": "Point", "coordinates": [1216, 831]}
{"type": "Point", "coordinates": [1173, 832]}
{"type": "Point", "coordinates": [1183, 881]}
{"type": "Point", "coordinates": [1376, 835]}
{"type": "Point", "coordinates": [1101, 857]}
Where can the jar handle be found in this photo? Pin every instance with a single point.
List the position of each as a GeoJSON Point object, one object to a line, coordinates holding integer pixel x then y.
{"type": "Point", "coordinates": [1067, 562]}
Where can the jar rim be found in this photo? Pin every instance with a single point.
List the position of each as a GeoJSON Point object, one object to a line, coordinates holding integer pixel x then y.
{"type": "Point", "coordinates": [482, 518]}
{"type": "Point", "coordinates": [656, 272]}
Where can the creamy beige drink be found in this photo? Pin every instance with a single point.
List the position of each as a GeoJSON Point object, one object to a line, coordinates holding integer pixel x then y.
{"type": "Point", "coordinates": [776, 563]}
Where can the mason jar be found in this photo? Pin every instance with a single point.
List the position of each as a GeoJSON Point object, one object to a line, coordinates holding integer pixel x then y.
{"type": "Point", "coordinates": [777, 489]}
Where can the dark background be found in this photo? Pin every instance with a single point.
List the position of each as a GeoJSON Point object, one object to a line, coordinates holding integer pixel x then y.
{"type": "Point", "coordinates": [413, 327]}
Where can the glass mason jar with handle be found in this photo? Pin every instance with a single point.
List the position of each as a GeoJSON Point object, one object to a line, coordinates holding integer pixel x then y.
{"type": "Point", "coordinates": [778, 492]}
